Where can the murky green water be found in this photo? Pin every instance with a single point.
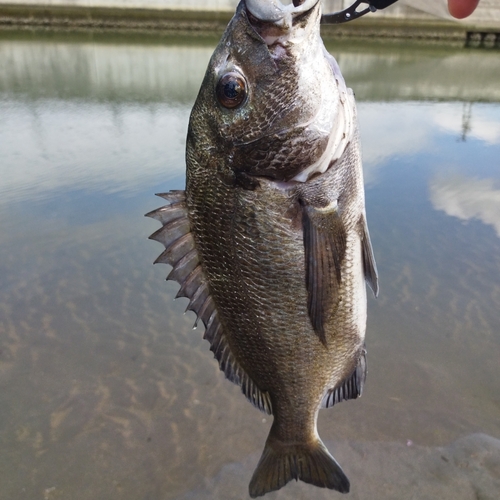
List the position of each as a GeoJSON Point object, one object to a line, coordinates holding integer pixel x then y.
{"type": "Point", "coordinates": [105, 390]}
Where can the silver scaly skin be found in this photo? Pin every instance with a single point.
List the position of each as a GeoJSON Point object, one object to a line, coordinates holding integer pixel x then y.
{"type": "Point", "coordinates": [269, 241]}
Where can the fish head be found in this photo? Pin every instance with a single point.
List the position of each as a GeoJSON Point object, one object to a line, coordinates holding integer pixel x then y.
{"type": "Point", "coordinates": [273, 103]}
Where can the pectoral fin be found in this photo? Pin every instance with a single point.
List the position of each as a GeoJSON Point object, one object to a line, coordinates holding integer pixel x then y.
{"type": "Point", "coordinates": [325, 247]}
{"type": "Point", "coordinates": [369, 265]}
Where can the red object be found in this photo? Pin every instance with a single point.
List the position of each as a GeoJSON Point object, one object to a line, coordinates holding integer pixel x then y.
{"type": "Point", "coordinates": [462, 8]}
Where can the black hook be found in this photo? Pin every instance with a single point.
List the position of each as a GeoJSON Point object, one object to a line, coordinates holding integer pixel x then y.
{"type": "Point", "coordinates": [351, 13]}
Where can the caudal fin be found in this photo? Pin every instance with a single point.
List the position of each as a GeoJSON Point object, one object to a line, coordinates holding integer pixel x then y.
{"type": "Point", "coordinates": [311, 463]}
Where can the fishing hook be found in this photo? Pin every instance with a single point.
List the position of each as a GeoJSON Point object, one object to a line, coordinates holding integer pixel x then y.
{"type": "Point", "coordinates": [351, 13]}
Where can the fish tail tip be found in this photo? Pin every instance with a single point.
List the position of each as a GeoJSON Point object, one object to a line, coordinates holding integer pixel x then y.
{"type": "Point", "coordinates": [311, 463]}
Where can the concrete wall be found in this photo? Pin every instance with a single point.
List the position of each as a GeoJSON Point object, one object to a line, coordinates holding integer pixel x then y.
{"type": "Point", "coordinates": [487, 13]}
{"type": "Point", "coordinates": [224, 5]}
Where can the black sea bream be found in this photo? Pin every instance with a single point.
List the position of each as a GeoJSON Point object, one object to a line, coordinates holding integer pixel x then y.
{"type": "Point", "coordinates": [269, 240]}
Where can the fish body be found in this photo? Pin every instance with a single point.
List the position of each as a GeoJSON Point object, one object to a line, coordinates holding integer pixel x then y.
{"type": "Point", "coordinates": [269, 240]}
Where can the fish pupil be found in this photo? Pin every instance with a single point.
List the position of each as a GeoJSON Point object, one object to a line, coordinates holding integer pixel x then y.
{"type": "Point", "coordinates": [231, 90]}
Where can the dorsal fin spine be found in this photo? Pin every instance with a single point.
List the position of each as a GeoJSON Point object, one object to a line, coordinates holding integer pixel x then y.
{"type": "Point", "coordinates": [191, 283]}
{"type": "Point", "coordinates": [198, 299]}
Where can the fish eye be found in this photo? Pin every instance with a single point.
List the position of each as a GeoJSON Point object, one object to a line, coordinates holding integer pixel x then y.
{"type": "Point", "coordinates": [231, 90]}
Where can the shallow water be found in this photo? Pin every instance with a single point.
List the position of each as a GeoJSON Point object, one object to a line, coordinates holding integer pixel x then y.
{"type": "Point", "coordinates": [105, 390]}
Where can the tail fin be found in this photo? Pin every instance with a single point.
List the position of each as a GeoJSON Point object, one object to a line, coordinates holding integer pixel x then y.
{"type": "Point", "coordinates": [309, 462]}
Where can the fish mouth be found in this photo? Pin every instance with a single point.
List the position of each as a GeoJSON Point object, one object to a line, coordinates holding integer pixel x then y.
{"type": "Point", "coordinates": [276, 20]}
{"type": "Point", "coordinates": [278, 11]}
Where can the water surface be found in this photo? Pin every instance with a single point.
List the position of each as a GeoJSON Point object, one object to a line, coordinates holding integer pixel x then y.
{"type": "Point", "coordinates": [105, 389]}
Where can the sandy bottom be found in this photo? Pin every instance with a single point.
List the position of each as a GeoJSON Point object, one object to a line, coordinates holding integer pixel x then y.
{"type": "Point", "coordinates": [467, 469]}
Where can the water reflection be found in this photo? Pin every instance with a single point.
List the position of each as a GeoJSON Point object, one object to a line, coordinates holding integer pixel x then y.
{"type": "Point", "coordinates": [59, 145]}
{"type": "Point", "coordinates": [102, 69]}
{"type": "Point", "coordinates": [477, 122]}
{"type": "Point", "coordinates": [106, 392]}
{"type": "Point", "coordinates": [158, 69]}
{"type": "Point", "coordinates": [468, 198]}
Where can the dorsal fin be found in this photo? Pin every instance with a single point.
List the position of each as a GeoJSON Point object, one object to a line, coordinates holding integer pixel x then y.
{"type": "Point", "coordinates": [180, 252]}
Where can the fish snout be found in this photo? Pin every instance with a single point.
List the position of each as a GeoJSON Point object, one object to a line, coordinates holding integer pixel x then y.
{"type": "Point", "coordinates": [279, 11]}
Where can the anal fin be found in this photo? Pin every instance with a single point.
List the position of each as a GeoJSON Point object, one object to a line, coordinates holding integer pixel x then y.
{"type": "Point", "coordinates": [351, 388]}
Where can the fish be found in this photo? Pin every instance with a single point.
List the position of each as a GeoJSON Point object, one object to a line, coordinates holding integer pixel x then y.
{"type": "Point", "coordinates": [269, 240]}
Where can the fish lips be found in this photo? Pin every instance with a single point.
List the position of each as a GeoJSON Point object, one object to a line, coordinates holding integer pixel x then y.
{"type": "Point", "coordinates": [274, 11]}
{"type": "Point", "coordinates": [277, 23]}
